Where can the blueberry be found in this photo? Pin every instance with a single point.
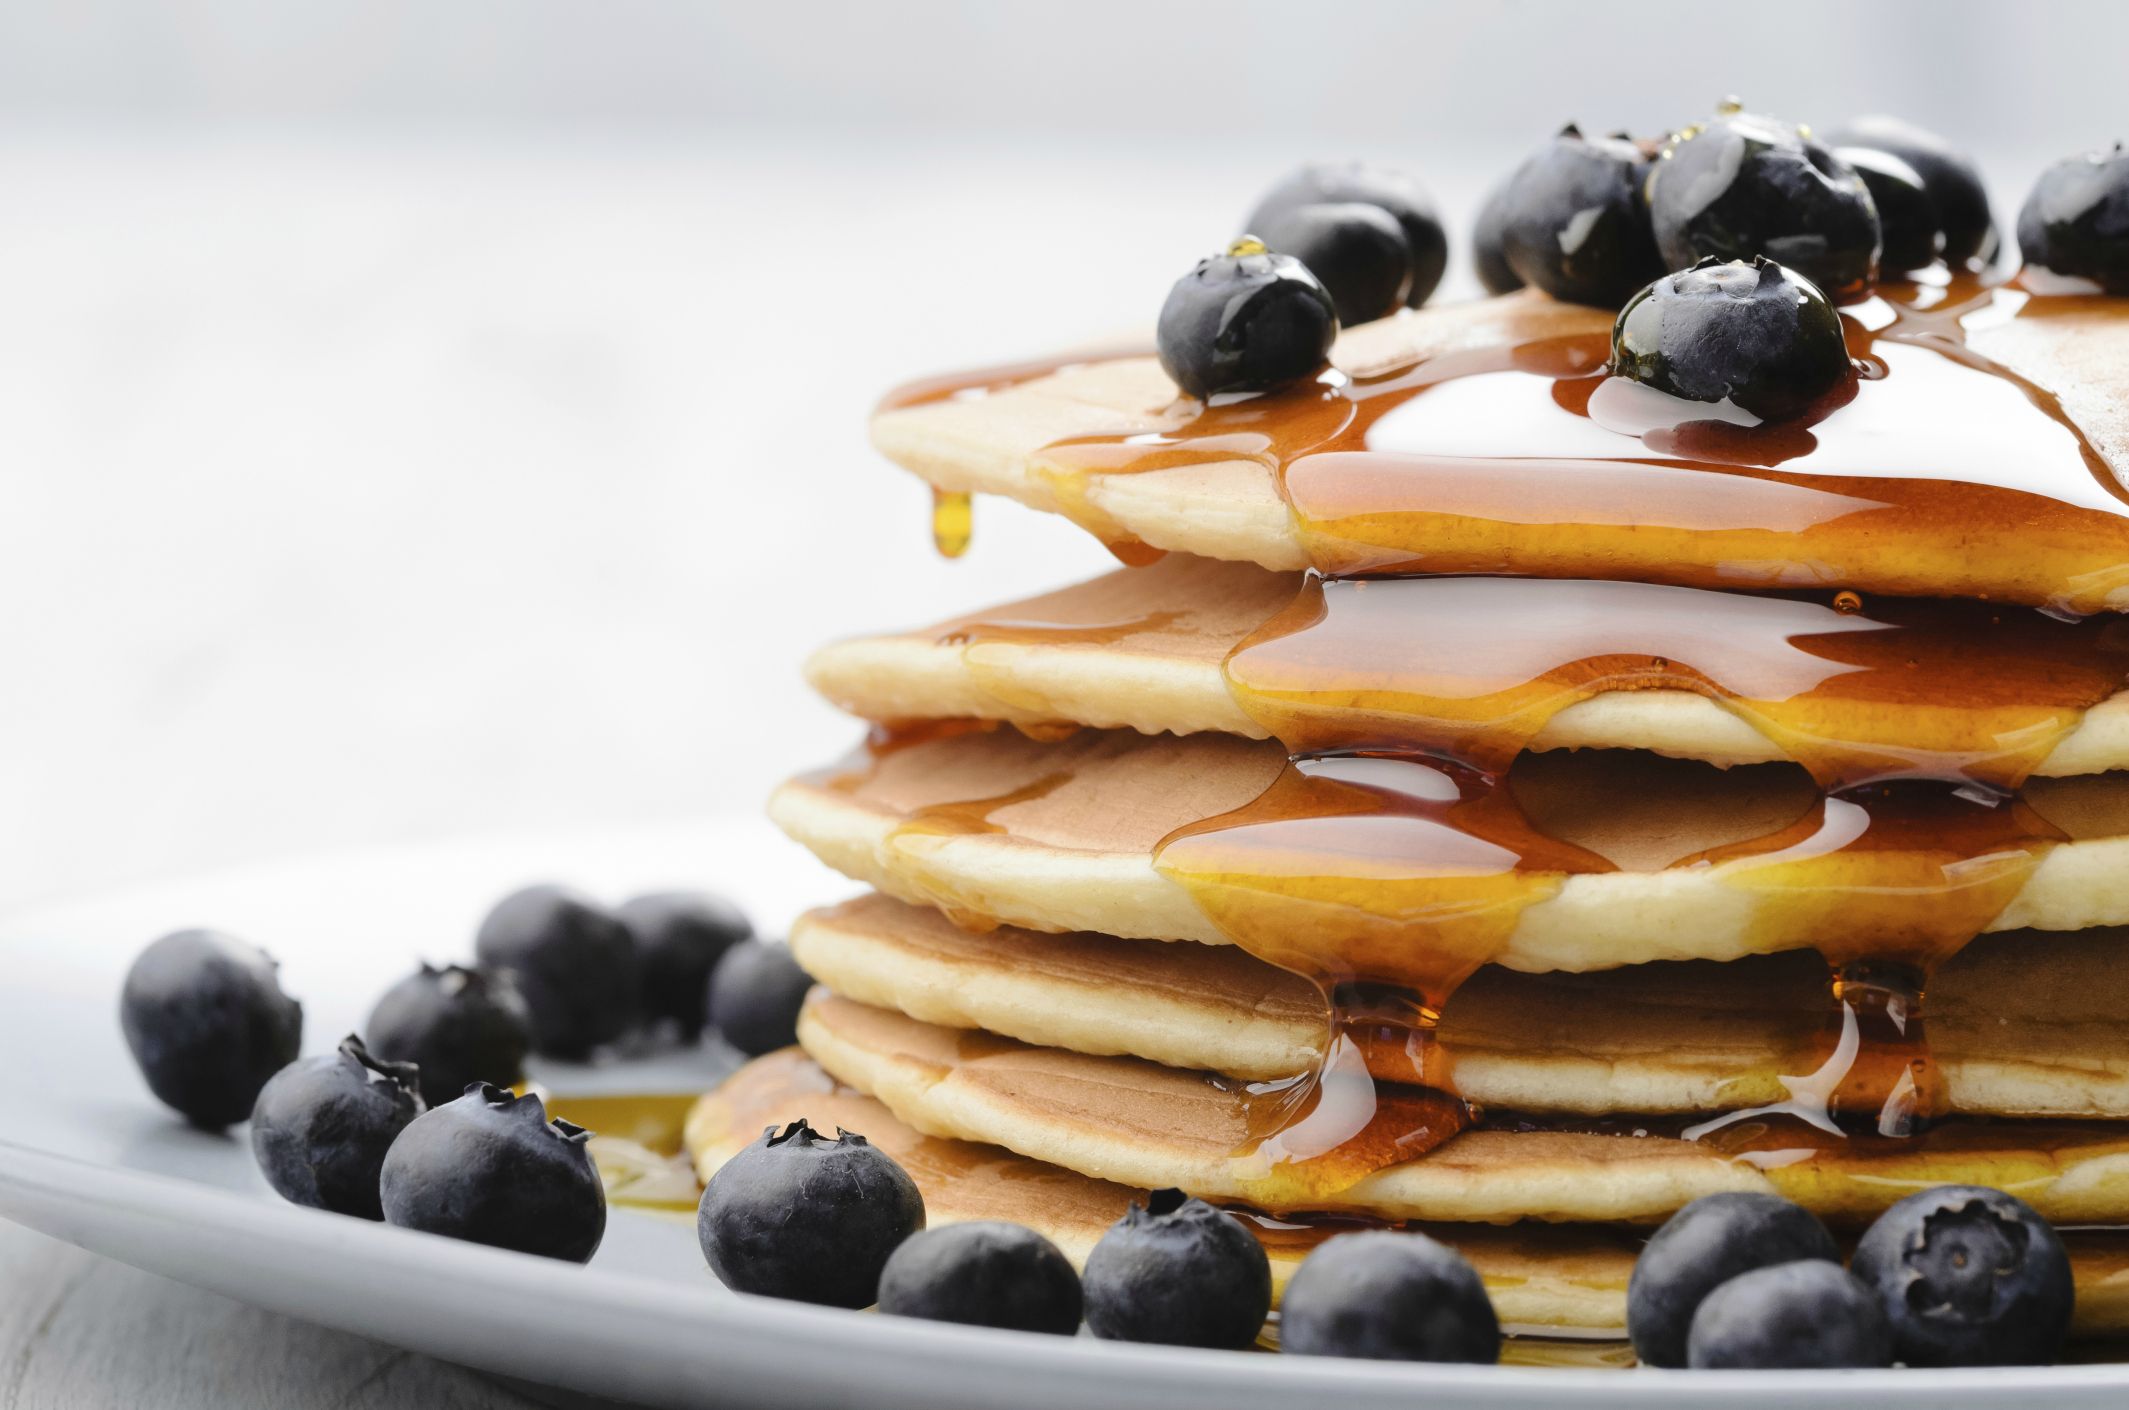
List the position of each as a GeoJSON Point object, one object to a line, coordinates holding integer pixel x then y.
{"type": "Point", "coordinates": [1791, 1316]}
{"type": "Point", "coordinates": [1756, 335]}
{"type": "Point", "coordinates": [322, 1125]}
{"type": "Point", "coordinates": [459, 1026]}
{"type": "Point", "coordinates": [984, 1274]}
{"type": "Point", "coordinates": [1702, 1246]}
{"type": "Point", "coordinates": [206, 1019]}
{"type": "Point", "coordinates": [1357, 252]}
{"type": "Point", "coordinates": [755, 994]}
{"type": "Point", "coordinates": [1950, 177]}
{"type": "Point", "coordinates": [1911, 231]}
{"type": "Point", "coordinates": [1245, 321]}
{"type": "Point", "coordinates": [1573, 223]}
{"type": "Point", "coordinates": [799, 1216]}
{"type": "Point", "coordinates": [1968, 1276]}
{"type": "Point", "coordinates": [1746, 185]}
{"type": "Point", "coordinates": [1180, 1272]}
{"type": "Point", "coordinates": [574, 963]}
{"type": "Point", "coordinates": [490, 1168]}
{"type": "Point", "coordinates": [1487, 254]}
{"type": "Point", "coordinates": [680, 936]}
{"type": "Point", "coordinates": [1340, 182]}
{"type": "Point", "coordinates": [2076, 222]}
{"type": "Point", "coordinates": [1389, 1297]}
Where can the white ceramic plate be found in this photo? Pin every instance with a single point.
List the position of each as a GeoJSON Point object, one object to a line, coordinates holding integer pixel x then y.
{"type": "Point", "coordinates": [88, 1156]}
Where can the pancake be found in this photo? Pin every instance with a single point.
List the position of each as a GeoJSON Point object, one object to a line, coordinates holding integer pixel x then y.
{"type": "Point", "coordinates": [2020, 1025]}
{"type": "Point", "coordinates": [1897, 530]}
{"type": "Point", "coordinates": [1061, 837]}
{"type": "Point", "coordinates": [1143, 649]}
{"type": "Point", "coordinates": [1556, 1278]}
{"type": "Point", "coordinates": [1141, 1124]}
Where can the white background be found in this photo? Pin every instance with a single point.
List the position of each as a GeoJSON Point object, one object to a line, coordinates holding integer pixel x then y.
{"type": "Point", "coordinates": [419, 419]}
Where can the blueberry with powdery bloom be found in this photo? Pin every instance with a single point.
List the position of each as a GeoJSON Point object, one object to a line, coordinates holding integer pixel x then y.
{"type": "Point", "coordinates": [204, 1016]}
{"type": "Point", "coordinates": [571, 959]}
{"type": "Point", "coordinates": [680, 937]}
{"type": "Point", "coordinates": [1180, 1272]}
{"type": "Point", "coordinates": [798, 1215]}
{"type": "Point", "coordinates": [1701, 1247]}
{"type": "Point", "coordinates": [490, 1168]}
{"type": "Point", "coordinates": [1968, 1276]}
{"type": "Point", "coordinates": [457, 1025]}
{"type": "Point", "coordinates": [322, 1126]}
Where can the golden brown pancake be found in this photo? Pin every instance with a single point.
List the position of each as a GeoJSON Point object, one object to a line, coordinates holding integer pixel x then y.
{"type": "Point", "coordinates": [1067, 841]}
{"type": "Point", "coordinates": [1141, 1124]}
{"type": "Point", "coordinates": [1558, 1278]}
{"type": "Point", "coordinates": [2021, 1025]}
{"type": "Point", "coordinates": [1142, 649]}
{"type": "Point", "coordinates": [2067, 545]}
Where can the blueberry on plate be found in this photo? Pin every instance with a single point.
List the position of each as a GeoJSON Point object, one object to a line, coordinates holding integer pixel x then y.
{"type": "Point", "coordinates": [2075, 225]}
{"type": "Point", "coordinates": [1357, 252]}
{"type": "Point", "coordinates": [1810, 1314]}
{"type": "Point", "coordinates": [680, 936]}
{"type": "Point", "coordinates": [1176, 1270]}
{"type": "Point", "coordinates": [1245, 321]}
{"type": "Point", "coordinates": [1968, 1276]}
{"type": "Point", "coordinates": [984, 1274]}
{"type": "Point", "coordinates": [1573, 222]}
{"type": "Point", "coordinates": [1910, 229]}
{"type": "Point", "coordinates": [1487, 254]}
{"type": "Point", "coordinates": [322, 1125]}
{"type": "Point", "coordinates": [457, 1025]}
{"type": "Point", "coordinates": [1950, 177]}
{"type": "Point", "coordinates": [1702, 1246]}
{"type": "Point", "coordinates": [206, 1019]}
{"type": "Point", "coordinates": [1745, 185]}
{"type": "Point", "coordinates": [755, 993]}
{"type": "Point", "coordinates": [490, 1168]}
{"type": "Point", "coordinates": [1337, 183]}
{"type": "Point", "coordinates": [572, 960]}
{"type": "Point", "coordinates": [1755, 335]}
{"type": "Point", "coordinates": [1389, 1297]}
{"type": "Point", "coordinates": [796, 1215]}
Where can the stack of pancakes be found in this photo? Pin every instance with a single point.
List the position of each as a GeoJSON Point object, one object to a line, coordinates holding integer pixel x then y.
{"type": "Point", "coordinates": [1465, 814]}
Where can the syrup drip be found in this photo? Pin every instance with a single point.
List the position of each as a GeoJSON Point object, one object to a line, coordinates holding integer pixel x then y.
{"type": "Point", "coordinates": [1386, 881]}
{"type": "Point", "coordinates": [1880, 876]}
{"type": "Point", "coordinates": [952, 522]}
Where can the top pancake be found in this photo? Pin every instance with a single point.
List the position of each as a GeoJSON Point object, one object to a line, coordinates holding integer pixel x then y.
{"type": "Point", "coordinates": [2067, 545]}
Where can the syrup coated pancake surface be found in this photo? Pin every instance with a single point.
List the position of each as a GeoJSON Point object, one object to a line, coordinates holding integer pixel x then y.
{"type": "Point", "coordinates": [1140, 1124]}
{"type": "Point", "coordinates": [1143, 649]}
{"type": "Point", "coordinates": [2021, 1025]}
{"type": "Point", "coordinates": [1878, 519]}
{"type": "Point", "coordinates": [1060, 836]}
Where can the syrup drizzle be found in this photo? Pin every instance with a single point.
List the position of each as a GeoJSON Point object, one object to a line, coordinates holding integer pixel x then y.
{"type": "Point", "coordinates": [1390, 860]}
{"type": "Point", "coordinates": [1918, 841]}
{"type": "Point", "coordinates": [1402, 471]}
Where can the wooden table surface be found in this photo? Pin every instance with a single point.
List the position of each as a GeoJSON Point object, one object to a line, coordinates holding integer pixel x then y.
{"type": "Point", "coordinates": [78, 1331]}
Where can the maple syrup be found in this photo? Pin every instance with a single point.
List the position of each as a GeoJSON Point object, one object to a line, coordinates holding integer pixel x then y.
{"type": "Point", "coordinates": [1581, 535]}
{"type": "Point", "coordinates": [1404, 471]}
